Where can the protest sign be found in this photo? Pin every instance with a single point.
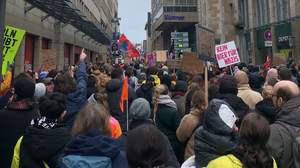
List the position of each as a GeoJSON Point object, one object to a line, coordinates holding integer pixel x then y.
{"type": "Point", "coordinates": [11, 42]}
{"type": "Point", "coordinates": [150, 60]}
{"type": "Point", "coordinates": [48, 58]}
{"type": "Point", "coordinates": [227, 54]}
{"type": "Point", "coordinates": [161, 56]}
{"type": "Point", "coordinates": [127, 60]}
{"type": "Point", "coordinates": [279, 58]}
{"type": "Point", "coordinates": [206, 45]}
{"type": "Point", "coordinates": [190, 63]}
{"type": "Point", "coordinates": [159, 47]}
{"type": "Point", "coordinates": [174, 63]}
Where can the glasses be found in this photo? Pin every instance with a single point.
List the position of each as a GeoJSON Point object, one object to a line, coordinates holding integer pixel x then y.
{"type": "Point", "coordinates": [272, 95]}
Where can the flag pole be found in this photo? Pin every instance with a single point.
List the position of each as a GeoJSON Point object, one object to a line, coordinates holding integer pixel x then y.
{"type": "Point", "coordinates": [127, 112]}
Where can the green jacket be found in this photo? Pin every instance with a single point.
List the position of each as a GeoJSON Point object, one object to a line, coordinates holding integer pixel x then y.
{"type": "Point", "coordinates": [167, 121]}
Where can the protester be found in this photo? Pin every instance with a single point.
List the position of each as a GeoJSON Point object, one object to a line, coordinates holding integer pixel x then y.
{"type": "Point", "coordinates": [146, 148]}
{"type": "Point", "coordinates": [173, 77]}
{"type": "Point", "coordinates": [251, 98]}
{"type": "Point", "coordinates": [141, 78]}
{"type": "Point", "coordinates": [272, 73]}
{"type": "Point", "coordinates": [166, 117]}
{"type": "Point", "coordinates": [186, 103]}
{"type": "Point", "coordinates": [153, 71]}
{"type": "Point", "coordinates": [96, 72]}
{"type": "Point", "coordinates": [129, 74]}
{"type": "Point", "coordinates": [15, 118]}
{"type": "Point", "coordinates": [255, 82]}
{"type": "Point", "coordinates": [133, 69]}
{"type": "Point", "coordinates": [228, 92]}
{"type": "Point", "coordinates": [40, 90]}
{"type": "Point", "coordinates": [103, 79]}
{"type": "Point", "coordinates": [189, 77]}
{"type": "Point", "coordinates": [114, 89]}
{"type": "Point", "coordinates": [272, 82]}
{"type": "Point", "coordinates": [146, 90]}
{"type": "Point", "coordinates": [190, 122]}
{"type": "Point", "coordinates": [75, 93]}
{"type": "Point", "coordinates": [213, 91]}
{"type": "Point", "coordinates": [179, 92]}
{"type": "Point", "coordinates": [199, 80]}
{"type": "Point", "coordinates": [43, 142]}
{"type": "Point", "coordinates": [49, 83]}
{"type": "Point", "coordinates": [165, 70]}
{"type": "Point", "coordinates": [7, 78]}
{"type": "Point", "coordinates": [218, 136]}
{"type": "Point", "coordinates": [252, 151]}
{"type": "Point", "coordinates": [166, 80]}
{"type": "Point", "coordinates": [140, 114]}
{"type": "Point", "coordinates": [91, 86]}
{"type": "Point", "coordinates": [294, 70]}
{"type": "Point", "coordinates": [266, 108]}
{"type": "Point", "coordinates": [286, 100]}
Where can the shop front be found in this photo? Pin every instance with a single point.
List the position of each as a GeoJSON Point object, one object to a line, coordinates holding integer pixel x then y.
{"type": "Point", "coordinates": [283, 34]}
{"type": "Point", "coordinates": [264, 45]}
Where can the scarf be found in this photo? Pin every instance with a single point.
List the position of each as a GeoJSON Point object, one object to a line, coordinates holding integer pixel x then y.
{"type": "Point", "coordinates": [23, 104]}
{"type": "Point", "coordinates": [177, 93]}
{"type": "Point", "coordinates": [166, 100]}
{"type": "Point", "coordinates": [46, 123]}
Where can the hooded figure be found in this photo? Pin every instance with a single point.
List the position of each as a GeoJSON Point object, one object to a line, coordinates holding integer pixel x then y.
{"type": "Point", "coordinates": [255, 83]}
{"type": "Point", "coordinates": [218, 136]}
{"type": "Point", "coordinates": [179, 92]}
{"type": "Point", "coordinates": [146, 90]}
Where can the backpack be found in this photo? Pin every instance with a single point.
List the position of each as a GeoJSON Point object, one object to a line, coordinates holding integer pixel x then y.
{"type": "Point", "coordinates": [86, 161]}
{"type": "Point", "coordinates": [296, 141]}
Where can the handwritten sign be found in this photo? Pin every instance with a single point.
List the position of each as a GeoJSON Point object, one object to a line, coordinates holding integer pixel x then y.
{"type": "Point", "coordinates": [227, 54]}
{"type": "Point", "coordinates": [127, 60]}
{"type": "Point", "coordinates": [174, 63]}
{"type": "Point", "coordinates": [190, 63]}
{"type": "Point", "coordinates": [161, 56]}
{"type": "Point", "coordinates": [206, 46]}
{"type": "Point", "coordinates": [279, 58]}
{"type": "Point", "coordinates": [12, 40]}
{"type": "Point", "coordinates": [48, 58]}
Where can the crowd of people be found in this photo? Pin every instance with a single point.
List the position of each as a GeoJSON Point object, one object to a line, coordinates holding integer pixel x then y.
{"type": "Point", "coordinates": [76, 117]}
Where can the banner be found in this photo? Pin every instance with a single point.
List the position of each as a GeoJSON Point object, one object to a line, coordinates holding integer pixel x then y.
{"type": "Point", "coordinates": [206, 39]}
{"type": "Point", "coordinates": [279, 58]}
{"type": "Point", "coordinates": [150, 61]}
{"type": "Point", "coordinates": [130, 50]}
{"type": "Point", "coordinates": [11, 42]}
{"type": "Point", "coordinates": [48, 58]}
{"type": "Point", "coordinates": [115, 48]}
{"type": "Point", "coordinates": [227, 54]}
{"type": "Point", "coordinates": [190, 63]}
{"type": "Point", "coordinates": [161, 56]}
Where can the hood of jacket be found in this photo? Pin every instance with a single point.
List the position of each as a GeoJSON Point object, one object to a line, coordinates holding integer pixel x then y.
{"type": "Point", "coordinates": [93, 143]}
{"type": "Point", "coordinates": [219, 117]}
{"type": "Point", "coordinates": [147, 87]}
{"type": "Point", "coordinates": [254, 81]}
{"type": "Point", "coordinates": [96, 72]}
{"type": "Point", "coordinates": [289, 112]}
{"type": "Point", "coordinates": [267, 107]}
{"type": "Point", "coordinates": [114, 85]}
{"type": "Point", "coordinates": [104, 79]}
{"type": "Point", "coordinates": [44, 143]}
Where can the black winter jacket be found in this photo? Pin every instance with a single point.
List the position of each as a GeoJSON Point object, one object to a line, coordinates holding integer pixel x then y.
{"type": "Point", "coordinates": [214, 138]}
{"type": "Point", "coordinates": [255, 83]}
{"type": "Point", "coordinates": [146, 92]}
{"type": "Point", "coordinates": [113, 89]}
{"type": "Point", "coordinates": [266, 109]}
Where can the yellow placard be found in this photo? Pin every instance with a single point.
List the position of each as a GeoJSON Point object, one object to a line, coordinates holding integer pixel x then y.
{"type": "Point", "coordinates": [11, 42]}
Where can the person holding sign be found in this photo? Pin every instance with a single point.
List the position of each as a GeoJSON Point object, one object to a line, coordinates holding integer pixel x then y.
{"type": "Point", "coordinates": [7, 79]}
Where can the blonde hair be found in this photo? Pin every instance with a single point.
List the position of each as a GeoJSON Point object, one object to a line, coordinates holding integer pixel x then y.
{"type": "Point", "coordinates": [159, 90]}
{"type": "Point", "coordinates": [266, 94]}
{"type": "Point", "coordinates": [92, 116]}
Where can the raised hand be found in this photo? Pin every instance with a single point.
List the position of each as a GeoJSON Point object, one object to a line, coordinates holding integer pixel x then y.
{"type": "Point", "coordinates": [82, 55]}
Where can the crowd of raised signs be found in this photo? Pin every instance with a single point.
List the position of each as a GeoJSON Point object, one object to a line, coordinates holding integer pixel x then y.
{"type": "Point", "coordinates": [128, 115]}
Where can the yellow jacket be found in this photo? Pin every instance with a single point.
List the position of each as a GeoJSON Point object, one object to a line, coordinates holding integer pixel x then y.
{"type": "Point", "coordinates": [229, 161]}
{"type": "Point", "coordinates": [6, 83]}
{"type": "Point", "coordinates": [16, 158]}
{"type": "Point", "coordinates": [157, 80]}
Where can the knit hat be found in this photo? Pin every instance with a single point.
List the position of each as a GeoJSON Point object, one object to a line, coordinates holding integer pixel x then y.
{"type": "Point", "coordinates": [40, 90]}
{"type": "Point", "coordinates": [272, 73]}
{"type": "Point", "coordinates": [43, 75]}
{"type": "Point", "coordinates": [52, 105]}
{"type": "Point", "coordinates": [47, 80]}
{"type": "Point", "coordinates": [285, 74]}
{"type": "Point", "coordinates": [255, 69]}
{"type": "Point", "coordinates": [181, 86]}
{"type": "Point", "coordinates": [241, 77]}
{"type": "Point", "coordinates": [228, 84]}
{"type": "Point", "coordinates": [24, 88]}
{"type": "Point", "coordinates": [150, 79]}
{"type": "Point", "coordinates": [140, 109]}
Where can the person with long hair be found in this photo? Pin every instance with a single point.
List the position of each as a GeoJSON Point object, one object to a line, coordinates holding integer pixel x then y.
{"type": "Point", "coordinates": [166, 117]}
{"type": "Point", "coordinates": [266, 107]}
{"type": "Point", "coordinates": [91, 142]}
{"type": "Point", "coordinates": [199, 80]}
{"type": "Point", "coordinates": [75, 91]}
{"type": "Point", "coordinates": [146, 147]}
{"type": "Point", "coordinates": [190, 122]}
{"type": "Point", "coordinates": [252, 152]}
{"type": "Point", "coordinates": [186, 104]}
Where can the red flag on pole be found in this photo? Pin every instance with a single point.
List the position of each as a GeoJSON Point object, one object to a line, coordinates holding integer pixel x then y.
{"type": "Point", "coordinates": [267, 64]}
{"type": "Point", "coordinates": [130, 50]}
{"type": "Point", "coordinates": [124, 95]}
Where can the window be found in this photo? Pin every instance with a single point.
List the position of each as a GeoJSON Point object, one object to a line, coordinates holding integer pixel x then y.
{"type": "Point", "coordinates": [262, 12]}
{"type": "Point", "coordinates": [282, 10]}
{"type": "Point", "coordinates": [245, 14]}
{"type": "Point", "coordinates": [185, 2]}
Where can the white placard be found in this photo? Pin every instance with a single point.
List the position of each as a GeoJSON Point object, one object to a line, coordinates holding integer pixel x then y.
{"type": "Point", "coordinates": [268, 43]}
{"type": "Point", "coordinates": [227, 54]}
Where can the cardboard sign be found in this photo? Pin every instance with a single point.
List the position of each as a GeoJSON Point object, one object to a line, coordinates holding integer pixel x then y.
{"type": "Point", "coordinates": [190, 63]}
{"type": "Point", "coordinates": [159, 47]}
{"type": "Point", "coordinates": [174, 63]}
{"type": "Point", "coordinates": [11, 42]}
{"type": "Point", "coordinates": [127, 60]}
{"type": "Point", "coordinates": [161, 56]}
{"type": "Point", "coordinates": [48, 58]}
{"type": "Point", "coordinates": [227, 54]}
{"type": "Point", "coordinates": [279, 58]}
{"type": "Point", "coordinates": [206, 46]}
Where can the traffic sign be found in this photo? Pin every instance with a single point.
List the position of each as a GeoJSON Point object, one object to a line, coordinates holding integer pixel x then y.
{"type": "Point", "coordinates": [268, 35]}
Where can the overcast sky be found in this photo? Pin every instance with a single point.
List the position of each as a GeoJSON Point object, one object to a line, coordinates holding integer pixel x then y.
{"type": "Point", "coordinates": [133, 14]}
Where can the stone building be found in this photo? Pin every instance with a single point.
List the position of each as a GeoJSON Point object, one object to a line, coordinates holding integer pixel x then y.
{"type": "Point", "coordinates": [65, 25]}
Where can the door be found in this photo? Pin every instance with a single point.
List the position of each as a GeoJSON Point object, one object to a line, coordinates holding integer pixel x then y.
{"type": "Point", "coordinates": [29, 51]}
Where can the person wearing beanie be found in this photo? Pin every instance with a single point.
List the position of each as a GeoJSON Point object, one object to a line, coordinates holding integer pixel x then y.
{"type": "Point", "coordinates": [272, 73]}
{"type": "Point", "coordinates": [228, 92]}
{"type": "Point", "coordinates": [250, 97]}
{"type": "Point", "coordinates": [178, 94]}
{"type": "Point", "coordinates": [42, 76]}
{"type": "Point", "coordinates": [49, 84]}
{"type": "Point", "coordinates": [15, 118]}
{"type": "Point", "coordinates": [141, 78]}
{"type": "Point", "coordinates": [286, 74]}
{"type": "Point", "coordinates": [40, 90]}
{"type": "Point", "coordinates": [165, 70]}
{"type": "Point", "coordinates": [48, 133]}
{"type": "Point", "coordinates": [140, 114]}
{"type": "Point", "coordinates": [146, 90]}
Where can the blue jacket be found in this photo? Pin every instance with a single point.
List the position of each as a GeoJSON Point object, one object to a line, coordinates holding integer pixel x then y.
{"type": "Point", "coordinates": [77, 100]}
{"type": "Point", "coordinates": [95, 143]}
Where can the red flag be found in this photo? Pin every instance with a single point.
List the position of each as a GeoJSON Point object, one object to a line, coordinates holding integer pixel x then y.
{"type": "Point", "coordinates": [130, 50]}
{"type": "Point", "coordinates": [267, 64]}
{"type": "Point", "coordinates": [124, 95]}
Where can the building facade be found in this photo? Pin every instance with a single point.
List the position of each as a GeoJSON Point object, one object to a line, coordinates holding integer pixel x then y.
{"type": "Point", "coordinates": [66, 25]}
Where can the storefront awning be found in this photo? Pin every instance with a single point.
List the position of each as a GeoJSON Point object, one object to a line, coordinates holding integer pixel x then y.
{"type": "Point", "coordinates": [66, 12]}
